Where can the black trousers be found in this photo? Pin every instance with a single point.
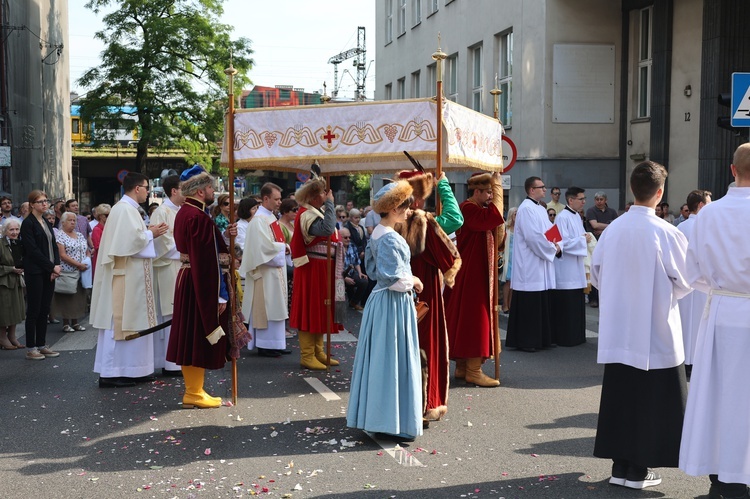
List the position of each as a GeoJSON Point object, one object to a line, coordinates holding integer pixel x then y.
{"type": "Point", "coordinates": [356, 292]}
{"type": "Point", "coordinates": [39, 291]}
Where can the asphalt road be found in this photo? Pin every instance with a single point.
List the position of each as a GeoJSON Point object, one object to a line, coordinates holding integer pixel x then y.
{"type": "Point", "coordinates": [63, 437]}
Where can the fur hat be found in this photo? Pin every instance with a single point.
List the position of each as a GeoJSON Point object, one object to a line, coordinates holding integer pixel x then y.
{"type": "Point", "coordinates": [194, 178]}
{"type": "Point", "coordinates": [480, 181]}
{"type": "Point", "coordinates": [391, 196]}
{"type": "Point", "coordinates": [421, 182]}
{"type": "Point", "coordinates": [310, 189]}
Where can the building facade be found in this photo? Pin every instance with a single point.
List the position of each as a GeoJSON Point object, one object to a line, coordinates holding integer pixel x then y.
{"type": "Point", "coordinates": [590, 88]}
{"type": "Point", "coordinates": [34, 98]}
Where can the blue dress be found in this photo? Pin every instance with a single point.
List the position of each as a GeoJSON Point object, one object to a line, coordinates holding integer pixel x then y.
{"type": "Point", "coordinates": [386, 386]}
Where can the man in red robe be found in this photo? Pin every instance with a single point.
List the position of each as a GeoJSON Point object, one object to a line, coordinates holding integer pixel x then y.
{"type": "Point", "coordinates": [433, 255]}
{"type": "Point", "coordinates": [313, 285]}
{"type": "Point", "coordinates": [470, 307]}
{"type": "Point", "coordinates": [201, 315]}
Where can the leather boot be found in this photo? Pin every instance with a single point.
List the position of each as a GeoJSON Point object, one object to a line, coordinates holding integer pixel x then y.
{"type": "Point", "coordinates": [195, 396]}
{"type": "Point", "coordinates": [436, 413]}
{"type": "Point", "coordinates": [460, 369]}
{"type": "Point", "coordinates": [320, 351]}
{"type": "Point", "coordinates": [475, 375]}
{"type": "Point", "coordinates": [307, 352]}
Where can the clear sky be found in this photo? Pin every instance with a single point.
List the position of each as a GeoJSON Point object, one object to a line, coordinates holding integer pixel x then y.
{"type": "Point", "coordinates": [292, 40]}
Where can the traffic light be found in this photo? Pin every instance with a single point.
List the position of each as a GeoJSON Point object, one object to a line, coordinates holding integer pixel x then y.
{"type": "Point", "coordinates": [725, 100]}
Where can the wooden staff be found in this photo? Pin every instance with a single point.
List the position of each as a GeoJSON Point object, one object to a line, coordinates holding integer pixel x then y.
{"type": "Point", "coordinates": [330, 279]}
{"type": "Point", "coordinates": [230, 72]}
{"type": "Point", "coordinates": [330, 299]}
{"type": "Point", "coordinates": [495, 247]}
{"type": "Point", "coordinates": [439, 56]}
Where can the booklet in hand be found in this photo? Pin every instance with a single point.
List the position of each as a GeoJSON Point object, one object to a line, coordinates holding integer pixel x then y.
{"type": "Point", "coordinates": [553, 234]}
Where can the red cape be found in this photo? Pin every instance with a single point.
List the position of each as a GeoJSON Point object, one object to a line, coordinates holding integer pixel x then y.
{"type": "Point", "coordinates": [470, 321]}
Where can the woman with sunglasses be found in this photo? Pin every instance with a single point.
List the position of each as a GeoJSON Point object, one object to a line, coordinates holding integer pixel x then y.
{"type": "Point", "coordinates": [41, 268]}
{"type": "Point", "coordinates": [220, 212]}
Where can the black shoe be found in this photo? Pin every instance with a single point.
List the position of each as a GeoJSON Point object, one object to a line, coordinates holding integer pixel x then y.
{"type": "Point", "coordinates": [115, 382]}
{"type": "Point", "coordinates": [267, 352]}
{"type": "Point", "coordinates": [529, 349]}
{"type": "Point", "coordinates": [284, 351]}
{"type": "Point", "coordinates": [619, 473]}
{"type": "Point", "coordinates": [144, 379]}
{"type": "Point", "coordinates": [638, 479]}
{"type": "Point", "coordinates": [176, 373]}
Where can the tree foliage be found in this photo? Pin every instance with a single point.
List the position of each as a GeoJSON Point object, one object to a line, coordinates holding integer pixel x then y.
{"type": "Point", "coordinates": [361, 189]}
{"type": "Point", "coordinates": [166, 59]}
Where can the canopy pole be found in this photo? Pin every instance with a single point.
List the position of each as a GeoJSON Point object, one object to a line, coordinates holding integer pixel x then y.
{"type": "Point", "coordinates": [439, 56]}
{"type": "Point", "coordinates": [230, 72]}
{"type": "Point", "coordinates": [495, 257]}
{"type": "Point", "coordinates": [330, 303]}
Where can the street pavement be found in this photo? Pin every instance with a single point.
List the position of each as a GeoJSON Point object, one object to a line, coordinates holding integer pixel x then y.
{"type": "Point", "coordinates": [63, 437]}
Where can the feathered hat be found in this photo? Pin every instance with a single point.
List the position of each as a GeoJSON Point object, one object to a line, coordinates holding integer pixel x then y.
{"type": "Point", "coordinates": [312, 187]}
{"type": "Point", "coordinates": [391, 196]}
{"type": "Point", "coordinates": [194, 178]}
{"type": "Point", "coordinates": [420, 180]}
{"type": "Point", "coordinates": [480, 181]}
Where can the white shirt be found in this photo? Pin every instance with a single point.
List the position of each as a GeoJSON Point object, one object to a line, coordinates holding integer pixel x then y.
{"type": "Point", "coordinates": [639, 267]}
{"type": "Point", "coordinates": [569, 269]}
{"type": "Point", "coordinates": [533, 254]}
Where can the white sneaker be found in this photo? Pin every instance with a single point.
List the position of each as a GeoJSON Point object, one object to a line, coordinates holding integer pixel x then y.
{"type": "Point", "coordinates": [34, 354]}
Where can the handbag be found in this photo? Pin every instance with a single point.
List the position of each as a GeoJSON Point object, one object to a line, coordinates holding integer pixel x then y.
{"type": "Point", "coordinates": [67, 282]}
{"type": "Point", "coordinates": [422, 309]}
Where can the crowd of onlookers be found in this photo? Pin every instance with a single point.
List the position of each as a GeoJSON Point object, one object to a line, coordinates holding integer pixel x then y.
{"type": "Point", "coordinates": [61, 244]}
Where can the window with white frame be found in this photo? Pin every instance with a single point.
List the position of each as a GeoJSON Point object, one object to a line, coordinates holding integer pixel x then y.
{"type": "Point", "coordinates": [451, 77]}
{"type": "Point", "coordinates": [416, 84]}
{"type": "Point", "coordinates": [432, 79]}
{"type": "Point", "coordinates": [401, 17]}
{"type": "Point", "coordinates": [644, 63]}
{"type": "Point", "coordinates": [388, 92]}
{"type": "Point", "coordinates": [505, 78]}
{"type": "Point", "coordinates": [433, 6]}
{"type": "Point", "coordinates": [401, 88]}
{"type": "Point", "coordinates": [476, 78]}
{"type": "Point", "coordinates": [388, 21]}
{"type": "Point", "coordinates": [416, 12]}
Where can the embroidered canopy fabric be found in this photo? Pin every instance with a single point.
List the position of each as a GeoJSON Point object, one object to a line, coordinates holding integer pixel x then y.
{"type": "Point", "coordinates": [364, 137]}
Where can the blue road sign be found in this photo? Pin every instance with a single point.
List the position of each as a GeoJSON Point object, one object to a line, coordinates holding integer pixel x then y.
{"type": "Point", "coordinates": [740, 100]}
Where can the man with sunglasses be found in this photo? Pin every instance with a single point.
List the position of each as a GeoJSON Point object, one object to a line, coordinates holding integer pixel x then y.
{"type": "Point", "coordinates": [123, 300]}
{"type": "Point", "coordinates": [530, 321]}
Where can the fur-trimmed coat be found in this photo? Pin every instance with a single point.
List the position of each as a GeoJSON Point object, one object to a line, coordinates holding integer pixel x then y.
{"type": "Point", "coordinates": [435, 260]}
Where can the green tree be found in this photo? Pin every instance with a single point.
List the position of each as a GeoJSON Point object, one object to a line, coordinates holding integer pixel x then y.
{"type": "Point", "coordinates": [361, 189]}
{"type": "Point", "coordinates": [164, 65]}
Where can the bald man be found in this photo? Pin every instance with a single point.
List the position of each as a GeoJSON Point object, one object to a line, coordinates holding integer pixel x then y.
{"type": "Point", "coordinates": [716, 434]}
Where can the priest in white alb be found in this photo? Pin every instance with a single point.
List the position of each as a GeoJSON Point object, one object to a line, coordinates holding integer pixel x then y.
{"type": "Point", "coordinates": [639, 267]}
{"type": "Point", "coordinates": [264, 267]}
{"type": "Point", "coordinates": [530, 320]}
{"type": "Point", "coordinates": [166, 266]}
{"type": "Point", "coordinates": [568, 301]}
{"type": "Point", "coordinates": [716, 435]}
{"type": "Point", "coordinates": [122, 300]}
{"type": "Point", "coordinates": [691, 307]}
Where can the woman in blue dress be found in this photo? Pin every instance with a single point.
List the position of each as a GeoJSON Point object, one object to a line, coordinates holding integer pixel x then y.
{"type": "Point", "coordinates": [386, 386]}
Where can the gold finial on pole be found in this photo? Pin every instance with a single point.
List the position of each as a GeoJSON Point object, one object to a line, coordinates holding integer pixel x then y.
{"type": "Point", "coordinates": [439, 56]}
{"type": "Point", "coordinates": [496, 97]}
{"type": "Point", "coordinates": [325, 99]}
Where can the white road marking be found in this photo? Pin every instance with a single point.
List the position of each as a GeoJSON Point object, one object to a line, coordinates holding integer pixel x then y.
{"type": "Point", "coordinates": [400, 454]}
{"type": "Point", "coordinates": [322, 389]}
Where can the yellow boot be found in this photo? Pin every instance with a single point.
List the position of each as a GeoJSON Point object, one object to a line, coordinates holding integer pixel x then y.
{"type": "Point", "coordinates": [320, 351]}
{"type": "Point", "coordinates": [475, 375]}
{"type": "Point", "coordinates": [195, 396]}
{"type": "Point", "coordinates": [307, 352]}
{"type": "Point", "coordinates": [460, 372]}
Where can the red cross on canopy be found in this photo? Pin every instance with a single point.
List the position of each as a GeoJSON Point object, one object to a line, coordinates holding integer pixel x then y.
{"type": "Point", "coordinates": [329, 136]}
